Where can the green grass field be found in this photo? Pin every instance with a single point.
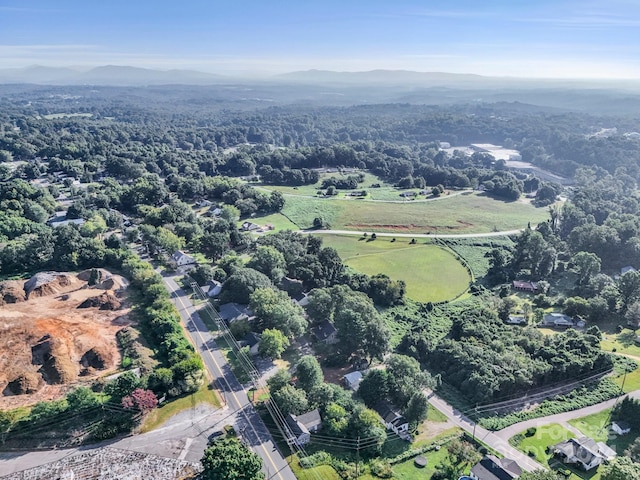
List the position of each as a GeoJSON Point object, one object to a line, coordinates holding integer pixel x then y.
{"type": "Point", "coordinates": [537, 444]}
{"type": "Point", "coordinates": [432, 274]}
{"type": "Point", "coordinates": [623, 342]}
{"type": "Point", "coordinates": [469, 212]}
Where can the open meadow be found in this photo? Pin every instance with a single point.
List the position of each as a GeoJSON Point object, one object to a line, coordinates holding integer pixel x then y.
{"type": "Point", "coordinates": [432, 273]}
{"type": "Point", "coordinates": [468, 212]}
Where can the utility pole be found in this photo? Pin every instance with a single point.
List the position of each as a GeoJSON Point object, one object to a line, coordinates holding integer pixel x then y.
{"type": "Point", "coordinates": [358, 458]}
{"type": "Point", "coordinates": [475, 417]}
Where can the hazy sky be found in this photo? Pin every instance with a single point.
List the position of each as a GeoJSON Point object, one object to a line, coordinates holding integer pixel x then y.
{"type": "Point", "coordinates": [541, 38]}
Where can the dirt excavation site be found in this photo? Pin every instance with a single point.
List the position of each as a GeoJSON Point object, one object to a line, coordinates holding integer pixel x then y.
{"type": "Point", "coordinates": [57, 331]}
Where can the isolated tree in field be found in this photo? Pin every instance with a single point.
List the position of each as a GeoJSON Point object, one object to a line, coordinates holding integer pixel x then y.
{"type": "Point", "coordinates": [273, 343]}
{"type": "Point", "coordinates": [230, 460]}
{"type": "Point", "coordinates": [308, 373]}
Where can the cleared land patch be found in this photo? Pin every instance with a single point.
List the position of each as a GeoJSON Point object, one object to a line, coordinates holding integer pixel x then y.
{"type": "Point", "coordinates": [432, 274]}
{"type": "Point", "coordinates": [469, 212]}
{"type": "Point", "coordinates": [47, 343]}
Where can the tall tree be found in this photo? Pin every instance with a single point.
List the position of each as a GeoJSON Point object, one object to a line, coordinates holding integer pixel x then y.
{"type": "Point", "coordinates": [230, 460]}
{"type": "Point", "coordinates": [309, 373]}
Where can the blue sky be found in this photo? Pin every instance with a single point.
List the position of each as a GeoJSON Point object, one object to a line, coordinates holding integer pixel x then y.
{"type": "Point", "coordinates": [562, 39]}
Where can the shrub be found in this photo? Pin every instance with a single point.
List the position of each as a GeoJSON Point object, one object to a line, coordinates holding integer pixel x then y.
{"type": "Point", "coordinates": [531, 431]}
{"type": "Point", "coordinates": [381, 469]}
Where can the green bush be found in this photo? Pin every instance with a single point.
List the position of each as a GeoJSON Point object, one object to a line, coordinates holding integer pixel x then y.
{"type": "Point", "coordinates": [381, 468]}
{"type": "Point", "coordinates": [531, 432]}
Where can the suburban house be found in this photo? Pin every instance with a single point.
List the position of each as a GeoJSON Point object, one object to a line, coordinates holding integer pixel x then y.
{"type": "Point", "coordinates": [251, 340]}
{"type": "Point", "coordinates": [352, 380]}
{"type": "Point", "coordinates": [250, 227]}
{"type": "Point", "coordinates": [516, 320]}
{"type": "Point", "coordinates": [620, 427]}
{"type": "Point", "coordinates": [213, 288]}
{"type": "Point", "coordinates": [60, 219]}
{"type": "Point", "coordinates": [180, 259]}
{"type": "Point", "coordinates": [325, 332]}
{"type": "Point", "coordinates": [556, 319]}
{"type": "Point", "coordinates": [584, 452]}
{"type": "Point", "coordinates": [235, 311]}
{"type": "Point", "coordinates": [301, 426]}
{"type": "Point", "coordinates": [524, 286]}
{"type": "Point", "coordinates": [493, 468]}
{"type": "Point", "coordinates": [392, 419]}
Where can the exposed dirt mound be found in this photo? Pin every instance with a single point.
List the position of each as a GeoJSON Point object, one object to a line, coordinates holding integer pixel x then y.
{"type": "Point", "coordinates": [48, 283]}
{"type": "Point", "coordinates": [25, 383]}
{"type": "Point", "coordinates": [106, 301]}
{"type": "Point", "coordinates": [96, 358]}
{"type": "Point", "coordinates": [12, 291]}
{"type": "Point", "coordinates": [106, 280]}
{"type": "Point", "coordinates": [47, 345]}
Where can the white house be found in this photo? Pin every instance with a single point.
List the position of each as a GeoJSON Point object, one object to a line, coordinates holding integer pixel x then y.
{"type": "Point", "coordinates": [180, 258]}
{"type": "Point", "coordinates": [214, 288]}
{"type": "Point", "coordinates": [620, 428]}
{"type": "Point", "coordinates": [584, 452]}
{"type": "Point", "coordinates": [301, 426]}
{"type": "Point", "coordinates": [392, 419]}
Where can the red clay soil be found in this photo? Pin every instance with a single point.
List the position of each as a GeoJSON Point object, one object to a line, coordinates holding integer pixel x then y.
{"type": "Point", "coordinates": [47, 344]}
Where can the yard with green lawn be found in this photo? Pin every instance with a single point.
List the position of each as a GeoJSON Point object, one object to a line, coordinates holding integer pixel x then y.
{"type": "Point", "coordinates": [623, 342]}
{"type": "Point", "coordinates": [432, 273]}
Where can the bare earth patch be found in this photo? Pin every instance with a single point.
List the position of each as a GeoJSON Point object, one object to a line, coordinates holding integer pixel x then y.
{"type": "Point", "coordinates": [48, 344]}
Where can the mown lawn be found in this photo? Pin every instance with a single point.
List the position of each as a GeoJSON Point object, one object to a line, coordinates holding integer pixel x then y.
{"type": "Point", "coordinates": [623, 342]}
{"type": "Point", "coordinates": [432, 274]}
{"type": "Point", "coordinates": [469, 212]}
{"type": "Point", "coordinates": [536, 445]}
{"type": "Point", "coordinates": [408, 470]}
{"type": "Point", "coordinates": [544, 437]}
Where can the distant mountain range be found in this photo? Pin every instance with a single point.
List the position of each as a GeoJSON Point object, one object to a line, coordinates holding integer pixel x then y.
{"type": "Point", "coordinates": [383, 77]}
{"type": "Point", "coordinates": [107, 75]}
{"type": "Point", "coordinates": [114, 75]}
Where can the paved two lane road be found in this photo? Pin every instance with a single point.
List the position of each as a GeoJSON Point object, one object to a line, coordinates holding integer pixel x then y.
{"type": "Point", "coordinates": [254, 431]}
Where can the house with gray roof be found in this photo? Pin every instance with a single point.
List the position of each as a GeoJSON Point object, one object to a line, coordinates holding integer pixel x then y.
{"type": "Point", "coordinates": [583, 452]}
{"type": "Point", "coordinates": [493, 468]}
